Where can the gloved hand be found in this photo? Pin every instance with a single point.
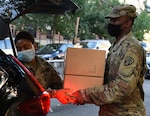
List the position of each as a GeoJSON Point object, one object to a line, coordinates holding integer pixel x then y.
{"type": "Point", "coordinates": [79, 98]}
{"type": "Point", "coordinates": [62, 95]}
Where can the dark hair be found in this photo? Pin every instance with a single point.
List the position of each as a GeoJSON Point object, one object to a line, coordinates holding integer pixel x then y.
{"type": "Point", "coordinates": [24, 35]}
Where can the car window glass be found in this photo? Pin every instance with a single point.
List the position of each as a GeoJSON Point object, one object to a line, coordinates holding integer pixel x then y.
{"type": "Point", "coordinates": [63, 48]}
{"type": "Point", "coordinates": [2, 44]}
{"type": "Point", "coordinates": [5, 44]}
{"type": "Point", "coordinates": [84, 44]}
{"type": "Point", "coordinates": [50, 47]}
{"type": "Point", "coordinates": [88, 44]}
{"type": "Point", "coordinates": [69, 45]}
{"type": "Point", "coordinates": [45, 48]}
{"type": "Point", "coordinates": [91, 44]}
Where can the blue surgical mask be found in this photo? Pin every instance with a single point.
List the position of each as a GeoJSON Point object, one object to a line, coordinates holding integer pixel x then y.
{"type": "Point", "coordinates": [26, 55]}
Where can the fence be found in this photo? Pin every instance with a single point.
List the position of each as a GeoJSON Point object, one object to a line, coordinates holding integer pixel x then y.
{"type": "Point", "coordinates": [58, 65]}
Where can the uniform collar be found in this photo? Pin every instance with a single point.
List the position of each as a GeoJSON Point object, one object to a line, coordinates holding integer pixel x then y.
{"type": "Point", "coordinates": [122, 39]}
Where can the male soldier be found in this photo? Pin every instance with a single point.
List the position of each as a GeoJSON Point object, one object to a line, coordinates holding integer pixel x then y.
{"type": "Point", "coordinates": [122, 93]}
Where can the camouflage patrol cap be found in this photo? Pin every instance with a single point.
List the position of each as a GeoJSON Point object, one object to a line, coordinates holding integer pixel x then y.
{"type": "Point", "coordinates": [122, 10]}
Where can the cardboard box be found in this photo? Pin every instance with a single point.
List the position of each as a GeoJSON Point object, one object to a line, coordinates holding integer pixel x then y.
{"type": "Point", "coordinates": [83, 68]}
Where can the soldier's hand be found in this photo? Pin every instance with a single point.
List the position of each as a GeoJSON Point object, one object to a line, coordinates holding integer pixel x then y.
{"type": "Point", "coordinates": [79, 98]}
{"type": "Point", "coordinates": [62, 95]}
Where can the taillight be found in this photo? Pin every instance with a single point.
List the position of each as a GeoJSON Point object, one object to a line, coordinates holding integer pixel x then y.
{"type": "Point", "coordinates": [37, 106]}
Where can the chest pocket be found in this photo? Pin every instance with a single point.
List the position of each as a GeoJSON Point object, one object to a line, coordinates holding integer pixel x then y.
{"type": "Point", "coordinates": [114, 61]}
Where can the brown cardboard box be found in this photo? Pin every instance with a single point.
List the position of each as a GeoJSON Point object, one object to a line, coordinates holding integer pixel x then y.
{"type": "Point", "coordinates": [83, 68]}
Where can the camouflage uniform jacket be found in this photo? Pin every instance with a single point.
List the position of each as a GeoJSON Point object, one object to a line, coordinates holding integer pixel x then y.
{"type": "Point", "coordinates": [122, 92]}
{"type": "Point", "coordinates": [45, 74]}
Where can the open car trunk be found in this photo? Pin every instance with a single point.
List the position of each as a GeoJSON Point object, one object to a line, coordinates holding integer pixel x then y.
{"type": "Point", "coordinates": [12, 9]}
{"type": "Point", "coordinates": [16, 75]}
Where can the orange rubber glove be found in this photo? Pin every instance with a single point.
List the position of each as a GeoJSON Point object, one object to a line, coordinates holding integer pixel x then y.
{"type": "Point", "coordinates": [62, 95]}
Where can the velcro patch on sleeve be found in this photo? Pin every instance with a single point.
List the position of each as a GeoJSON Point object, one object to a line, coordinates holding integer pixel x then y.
{"type": "Point", "coordinates": [128, 61]}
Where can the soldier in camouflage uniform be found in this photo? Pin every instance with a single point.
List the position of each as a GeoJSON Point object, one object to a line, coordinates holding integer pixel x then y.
{"type": "Point", "coordinates": [40, 68]}
{"type": "Point", "coordinates": [46, 75]}
{"type": "Point", "coordinates": [122, 92]}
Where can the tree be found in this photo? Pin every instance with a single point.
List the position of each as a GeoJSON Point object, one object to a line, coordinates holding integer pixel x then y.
{"type": "Point", "coordinates": [92, 21]}
{"type": "Point", "coordinates": [141, 25]}
{"type": "Point", "coordinates": [92, 18]}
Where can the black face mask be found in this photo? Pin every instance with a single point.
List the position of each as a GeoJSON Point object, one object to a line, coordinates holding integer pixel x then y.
{"type": "Point", "coordinates": [114, 30]}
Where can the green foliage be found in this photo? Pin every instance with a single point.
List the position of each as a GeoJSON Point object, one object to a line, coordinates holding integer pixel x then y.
{"type": "Point", "coordinates": [36, 21]}
{"type": "Point", "coordinates": [92, 21]}
{"type": "Point", "coordinates": [142, 25]}
{"type": "Point", "coordinates": [66, 25]}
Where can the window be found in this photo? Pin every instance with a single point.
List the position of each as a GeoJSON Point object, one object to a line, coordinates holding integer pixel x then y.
{"type": "Point", "coordinates": [6, 46]}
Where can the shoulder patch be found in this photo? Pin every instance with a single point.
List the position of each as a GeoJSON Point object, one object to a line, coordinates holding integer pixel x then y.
{"type": "Point", "coordinates": [128, 61]}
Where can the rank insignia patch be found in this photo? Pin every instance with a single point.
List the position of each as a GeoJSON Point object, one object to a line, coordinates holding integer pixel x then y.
{"type": "Point", "coordinates": [128, 61]}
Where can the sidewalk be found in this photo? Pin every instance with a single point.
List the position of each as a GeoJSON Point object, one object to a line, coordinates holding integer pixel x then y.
{"type": "Point", "coordinates": [72, 110]}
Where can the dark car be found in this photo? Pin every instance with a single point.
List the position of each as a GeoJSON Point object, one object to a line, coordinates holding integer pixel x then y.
{"type": "Point", "coordinates": [15, 77]}
{"type": "Point", "coordinates": [147, 75]}
{"type": "Point", "coordinates": [53, 51]}
{"type": "Point", "coordinates": [146, 47]}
